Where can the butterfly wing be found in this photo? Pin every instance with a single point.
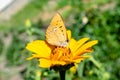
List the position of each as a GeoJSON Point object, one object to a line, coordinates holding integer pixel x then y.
{"type": "Point", "coordinates": [56, 32]}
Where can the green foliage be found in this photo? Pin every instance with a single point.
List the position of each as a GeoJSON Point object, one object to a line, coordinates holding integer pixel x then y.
{"type": "Point", "coordinates": [103, 24]}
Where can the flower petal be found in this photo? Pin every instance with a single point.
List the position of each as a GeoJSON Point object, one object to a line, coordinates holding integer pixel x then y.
{"type": "Point", "coordinates": [40, 48]}
{"type": "Point", "coordinates": [78, 60]}
{"type": "Point", "coordinates": [85, 46]}
{"type": "Point", "coordinates": [45, 63]}
{"type": "Point", "coordinates": [71, 44]}
{"type": "Point", "coordinates": [58, 63]}
{"type": "Point", "coordinates": [69, 34]}
{"type": "Point", "coordinates": [86, 51]}
{"type": "Point", "coordinates": [80, 43]}
{"type": "Point", "coordinates": [29, 58]}
{"type": "Point", "coordinates": [74, 68]}
{"type": "Point", "coordinates": [33, 56]}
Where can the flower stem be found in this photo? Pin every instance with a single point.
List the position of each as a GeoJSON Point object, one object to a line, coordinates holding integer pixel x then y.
{"type": "Point", "coordinates": [62, 75]}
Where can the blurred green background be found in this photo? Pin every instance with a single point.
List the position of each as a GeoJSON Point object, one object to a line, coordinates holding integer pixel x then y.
{"type": "Point", "coordinates": [96, 19]}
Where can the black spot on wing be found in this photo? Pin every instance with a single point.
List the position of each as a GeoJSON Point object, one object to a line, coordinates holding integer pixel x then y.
{"type": "Point", "coordinates": [62, 30]}
{"type": "Point", "coordinates": [60, 26]}
{"type": "Point", "coordinates": [67, 40]}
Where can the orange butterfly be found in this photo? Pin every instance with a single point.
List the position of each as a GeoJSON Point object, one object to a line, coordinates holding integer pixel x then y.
{"type": "Point", "coordinates": [56, 32]}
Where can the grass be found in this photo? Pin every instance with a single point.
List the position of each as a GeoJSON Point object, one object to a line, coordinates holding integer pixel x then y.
{"type": "Point", "coordinates": [32, 9]}
{"type": "Point", "coordinates": [102, 25]}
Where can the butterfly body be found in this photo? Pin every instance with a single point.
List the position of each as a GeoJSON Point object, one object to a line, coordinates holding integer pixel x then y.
{"type": "Point", "coordinates": [56, 32]}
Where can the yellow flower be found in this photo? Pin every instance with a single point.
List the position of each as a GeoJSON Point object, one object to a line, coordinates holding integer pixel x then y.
{"type": "Point", "coordinates": [74, 68]}
{"type": "Point", "coordinates": [51, 56]}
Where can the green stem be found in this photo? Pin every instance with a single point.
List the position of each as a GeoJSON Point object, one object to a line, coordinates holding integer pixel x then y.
{"type": "Point", "coordinates": [62, 75]}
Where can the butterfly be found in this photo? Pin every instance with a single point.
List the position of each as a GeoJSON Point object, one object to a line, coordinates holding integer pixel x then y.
{"type": "Point", "coordinates": [56, 33]}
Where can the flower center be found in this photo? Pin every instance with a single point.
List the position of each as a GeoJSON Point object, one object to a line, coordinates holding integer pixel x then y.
{"type": "Point", "coordinates": [61, 50]}
{"type": "Point", "coordinates": [61, 53]}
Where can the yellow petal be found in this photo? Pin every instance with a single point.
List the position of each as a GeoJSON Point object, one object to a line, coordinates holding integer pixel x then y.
{"type": "Point", "coordinates": [45, 63]}
{"type": "Point", "coordinates": [89, 50]}
{"type": "Point", "coordinates": [81, 57]}
{"type": "Point", "coordinates": [85, 46]}
{"type": "Point", "coordinates": [74, 68]}
{"type": "Point", "coordinates": [34, 56]}
{"type": "Point", "coordinates": [30, 58]}
{"type": "Point", "coordinates": [40, 48]}
{"type": "Point", "coordinates": [85, 51]}
{"type": "Point", "coordinates": [69, 34]}
{"type": "Point", "coordinates": [71, 44]}
{"type": "Point", "coordinates": [58, 62]}
{"type": "Point", "coordinates": [78, 60]}
{"type": "Point", "coordinates": [80, 43]}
